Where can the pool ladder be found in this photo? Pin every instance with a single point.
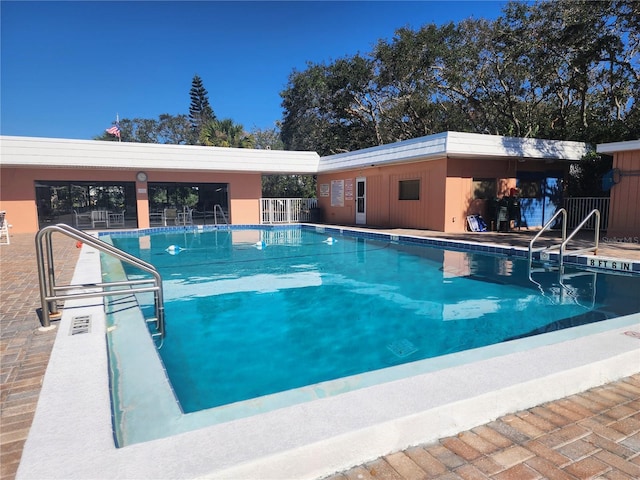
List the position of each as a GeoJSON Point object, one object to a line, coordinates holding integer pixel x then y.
{"type": "Point", "coordinates": [562, 251]}
{"type": "Point", "coordinates": [562, 246]}
{"type": "Point", "coordinates": [50, 293]}
{"type": "Point", "coordinates": [217, 209]}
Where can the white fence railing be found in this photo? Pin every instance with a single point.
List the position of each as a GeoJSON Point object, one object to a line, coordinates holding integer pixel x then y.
{"type": "Point", "coordinates": [287, 210]}
{"type": "Point", "coordinates": [579, 207]}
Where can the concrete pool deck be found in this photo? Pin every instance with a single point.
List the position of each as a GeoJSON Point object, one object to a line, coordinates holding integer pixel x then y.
{"type": "Point", "coordinates": [193, 457]}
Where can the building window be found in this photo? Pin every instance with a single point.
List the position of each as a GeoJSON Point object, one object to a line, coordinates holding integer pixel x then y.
{"type": "Point", "coordinates": [484, 188]}
{"type": "Point", "coordinates": [409, 190]}
{"type": "Point", "coordinates": [529, 189]}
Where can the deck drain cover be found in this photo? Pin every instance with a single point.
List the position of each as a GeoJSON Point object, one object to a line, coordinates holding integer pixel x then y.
{"type": "Point", "coordinates": [402, 348]}
{"type": "Point", "coordinates": [81, 324]}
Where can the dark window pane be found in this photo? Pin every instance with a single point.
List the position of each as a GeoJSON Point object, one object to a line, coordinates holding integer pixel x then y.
{"type": "Point", "coordinates": [409, 190]}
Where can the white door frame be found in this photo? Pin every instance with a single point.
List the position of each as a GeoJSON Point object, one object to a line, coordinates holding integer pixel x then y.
{"type": "Point", "coordinates": [361, 201]}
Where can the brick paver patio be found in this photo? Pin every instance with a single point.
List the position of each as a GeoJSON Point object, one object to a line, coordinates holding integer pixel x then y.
{"type": "Point", "coordinates": [595, 434]}
{"type": "Point", "coordinates": [24, 351]}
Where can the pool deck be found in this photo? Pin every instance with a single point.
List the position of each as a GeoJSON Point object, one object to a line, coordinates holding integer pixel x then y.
{"type": "Point", "coordinates": [591, 434]}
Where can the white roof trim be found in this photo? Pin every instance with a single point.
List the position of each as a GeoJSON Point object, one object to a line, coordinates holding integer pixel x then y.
{"type": "Point", "coordinates": [68, 153]}
{"type": "Point", "coordinates": [65, 153]}
{"type": "Point", "coordinates": [455, 144]}
{"type": "Point", "coordinates": [618, 146]}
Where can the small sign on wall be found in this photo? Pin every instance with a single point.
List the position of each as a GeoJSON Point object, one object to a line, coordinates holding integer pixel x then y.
{"type": "Point", "coordinates": [337, 193]}
{"type": "Point", "coordinates": [348, 189]}
{"type": "Point", "coordinates": [142, 190]}
{"type": "Point", "coordinates": [324, 189]}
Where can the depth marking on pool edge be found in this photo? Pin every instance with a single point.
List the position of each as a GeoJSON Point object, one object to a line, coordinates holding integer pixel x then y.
{"type": "Point", "coordinates": [80, 324]}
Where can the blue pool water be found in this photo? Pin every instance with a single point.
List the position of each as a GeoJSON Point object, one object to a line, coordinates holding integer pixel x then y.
{"type": "Point", "coordinates": [251, 312]}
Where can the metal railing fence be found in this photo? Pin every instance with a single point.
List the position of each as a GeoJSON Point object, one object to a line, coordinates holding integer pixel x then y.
{"type": "Point", "coordinates": [286, 210]}
{"type": "Point", "coordinates": [579, 207]}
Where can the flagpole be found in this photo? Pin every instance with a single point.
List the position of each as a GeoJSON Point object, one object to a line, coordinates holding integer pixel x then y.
{"type": "Point", "coordinates": [118, 123]}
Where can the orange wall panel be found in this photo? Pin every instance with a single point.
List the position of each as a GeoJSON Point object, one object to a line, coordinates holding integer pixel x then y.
{"type": "Point", "coordinates": [624, 209]}
{"type": "Point", "coordinates": [17, 188]}
{"type": "Point", "coordinates": [384, 209]}
{"type": "Point", "coordinates": [18, 199]}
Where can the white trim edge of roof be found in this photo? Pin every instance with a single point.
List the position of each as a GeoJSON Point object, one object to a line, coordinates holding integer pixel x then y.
{"type": "Point", "coordinates": [67, 153]}
{"type": "Point", "coordinates": [455, 144]}
{"type": "Point", "coordinates": [70, 153]}
{"type": "Point", "coordinates": [618, 146]}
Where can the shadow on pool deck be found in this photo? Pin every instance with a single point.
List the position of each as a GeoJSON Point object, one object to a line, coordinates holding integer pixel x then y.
{"type": "Point", "coordinates": [594, 434]}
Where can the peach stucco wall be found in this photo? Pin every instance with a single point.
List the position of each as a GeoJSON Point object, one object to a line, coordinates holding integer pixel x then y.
{"type": "Point", "coordinates": [383, 209]}
{"type": "Point", "coordinates": [460, 200]}
{"type": "Point", "coordinates": [624, 209]}
{"type": "Point", "coordinates": [446, 193]}
{"type": "Point", "coordinates": [18, 191]}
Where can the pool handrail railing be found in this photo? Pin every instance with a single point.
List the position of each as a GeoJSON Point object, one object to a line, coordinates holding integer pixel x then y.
{"type": "Point", "coordinates": [49, 291]}
{"type": "Point", "coordinates": [596, 239]}
{"type": "Point", "coordinates": [562, 212]}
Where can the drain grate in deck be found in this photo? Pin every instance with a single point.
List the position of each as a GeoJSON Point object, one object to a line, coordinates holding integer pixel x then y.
{"type": "Point", "coordinates": [80, 324]}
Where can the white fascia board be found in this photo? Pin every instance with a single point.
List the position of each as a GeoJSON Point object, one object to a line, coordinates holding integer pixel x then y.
{"type": "Point", "coordinates": [433, 146]}
{"type": "Point", "coordinates": [618, 146]}
{"type": "Point", "coordinates": [65, 153]}
{"type": "Point", "coordinates": [496, 146]}
{"type": "Point", "coordinates": [455, 144]}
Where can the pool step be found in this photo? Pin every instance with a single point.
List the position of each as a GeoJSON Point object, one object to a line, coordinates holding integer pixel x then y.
{"type": "Point", "coordinates": [154, 320]}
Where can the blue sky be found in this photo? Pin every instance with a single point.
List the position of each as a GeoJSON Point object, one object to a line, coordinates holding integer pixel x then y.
{"type": "Point", "coordinates": [67, 68]}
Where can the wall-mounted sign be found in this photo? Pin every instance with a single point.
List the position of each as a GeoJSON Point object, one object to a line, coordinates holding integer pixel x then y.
{"type": "Point", "coordinates": [348, 189]}
{"type": "Point", "coordinates": [337, 193]}
{"type": "Point", "coordinates": [324, 189]}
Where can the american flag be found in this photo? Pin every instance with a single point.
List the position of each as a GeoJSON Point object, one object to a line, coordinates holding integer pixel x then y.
{"type": "Point", "coordinates": [115, 130]}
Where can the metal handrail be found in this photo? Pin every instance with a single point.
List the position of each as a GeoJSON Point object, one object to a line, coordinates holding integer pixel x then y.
{"type": "Point", "coordinates": [49, 290]}
{"type": "Point", "coordinates": [594, 249]}
{"type": "Point", "coordinates": [217, 207]}
{"type": "Point", "coordinates": [562, 212]}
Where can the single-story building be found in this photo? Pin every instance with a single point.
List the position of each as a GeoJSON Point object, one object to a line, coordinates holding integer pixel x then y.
{"type": "Point", "coordinates": [624, 209]}
{"type": "Point", "coordinates": [46, 180]}
{"type": "Point", "coordinates": [431, 182]}
{"type": "Point", "coordinates": [435, 182]}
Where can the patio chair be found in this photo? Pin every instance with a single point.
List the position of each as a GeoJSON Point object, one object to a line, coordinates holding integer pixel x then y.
{"type": "Point", "coordinates": [99, 216]}
{"type": "Point", "coordinates": [186, 216]}
{"type": "Point", "coordinates": [81, 219]}
{"type": "Point", "coordinates": [116, 219]}
{"type": "Point", "coordinates": [170, 215]}
{"type": "Point", "coordinates": [4, 229]}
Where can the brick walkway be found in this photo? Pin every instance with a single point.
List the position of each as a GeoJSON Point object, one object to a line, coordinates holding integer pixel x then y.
{"type": "Point", "coordinates": [24, 351]}
{"type": "Point", "coordinates": [595, 434]}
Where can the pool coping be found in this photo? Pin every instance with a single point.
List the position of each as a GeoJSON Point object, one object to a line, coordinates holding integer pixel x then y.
{"type": "Point", "coordinates": [339, 431]}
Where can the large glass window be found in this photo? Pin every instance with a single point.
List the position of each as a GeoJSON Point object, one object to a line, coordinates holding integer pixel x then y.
{"type": "Point", "coordinates": [61, 201]}
{"type": "Point", "coordinates": [202, 198]}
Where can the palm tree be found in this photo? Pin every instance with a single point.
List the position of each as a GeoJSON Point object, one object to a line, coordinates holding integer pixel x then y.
{"type": "Point", "coordinates": [225, 133]}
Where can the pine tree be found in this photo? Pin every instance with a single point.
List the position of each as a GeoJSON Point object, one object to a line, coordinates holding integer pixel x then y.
{"type": "Point", "coordinates": [200, 112]}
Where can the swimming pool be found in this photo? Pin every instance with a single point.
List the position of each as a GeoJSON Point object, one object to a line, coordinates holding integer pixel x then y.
{"type": "Point", "coordinates": [305, 433]}
{"type": "Point", "coordinates": [251, 313]}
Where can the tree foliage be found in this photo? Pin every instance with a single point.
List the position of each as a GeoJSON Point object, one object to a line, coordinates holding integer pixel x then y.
{"type": "Point", "coordinates": [267, 139]}
{"type": "Point", "coordinates": [225, 133]}
{"type": "Point", "coordinates": [564, 70]}
{"type": "Point", "coordinates": [170, 129]}
{"type": "Point", "coordinates": [200, 111]}
{"type": "Point", "coordinates": [288, 186]}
